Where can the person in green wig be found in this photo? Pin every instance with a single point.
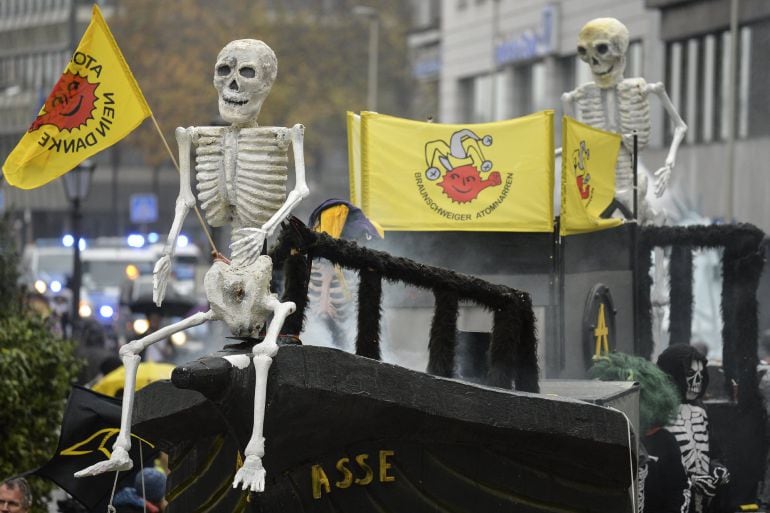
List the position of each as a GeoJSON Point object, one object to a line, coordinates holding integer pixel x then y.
{"type": "Point", "coordinates": [663, 483]}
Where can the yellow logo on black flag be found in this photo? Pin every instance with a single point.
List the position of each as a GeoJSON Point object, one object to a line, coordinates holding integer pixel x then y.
{"type": "Point", "coordinates": [476, 177]}
{"type": "Point", "coordinates": [589, 156]}
{"type": "Point", "coordinates": [95, 103]}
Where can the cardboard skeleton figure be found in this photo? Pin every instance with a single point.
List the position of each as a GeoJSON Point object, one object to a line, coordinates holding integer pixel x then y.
{"type": "Point", "coordinates": [621, 105]}
{"type": "Point", "coordinates": [241, 170]}
{"type": "Point", "coordinates": [687, 369]}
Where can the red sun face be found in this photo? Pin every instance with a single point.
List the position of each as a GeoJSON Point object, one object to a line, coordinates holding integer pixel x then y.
{"type": "Point", "coordinates": [69, 105]}
{"type": "Point", "coordinates": [464, 183]}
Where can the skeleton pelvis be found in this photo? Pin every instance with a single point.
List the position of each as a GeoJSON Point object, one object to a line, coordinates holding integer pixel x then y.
{"type": "Point", "coordinates": [238, 294]}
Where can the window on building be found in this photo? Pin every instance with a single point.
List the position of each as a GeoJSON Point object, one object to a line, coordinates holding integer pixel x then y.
{"type": "Point", "coordinates": [698, 80]}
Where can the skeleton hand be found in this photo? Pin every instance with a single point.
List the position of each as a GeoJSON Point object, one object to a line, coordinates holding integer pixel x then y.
{"type": "Point", "coordinates": [160, 279]}
{"type": "Point", "coordinates": [662, 176]}
{"type": "Point", "coordinates": [720, 474]}
{"type": "Point", "coordinates": [251, 476]}
{"type": "Point", "coordinates": [248, 248]}
{"type": "Point", "coordinates": [705, 484]}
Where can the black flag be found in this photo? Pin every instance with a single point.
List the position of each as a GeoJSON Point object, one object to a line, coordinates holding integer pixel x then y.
{"type": "Point", "coordinates": [89, 428]}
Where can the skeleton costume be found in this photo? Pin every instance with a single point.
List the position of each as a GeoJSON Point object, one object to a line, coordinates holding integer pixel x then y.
{"type": "Point", "coordinates": [332, 291]}
{"type": "Point", "coordinates": [241, 172]}
{"type": "Point", "coordinates": [687, 368]}
{"type": "Point", "coordinates": [663, 484]}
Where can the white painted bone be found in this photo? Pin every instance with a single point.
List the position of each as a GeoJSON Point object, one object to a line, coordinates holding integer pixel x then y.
{"type": "Point", "coordinates": [241, 173]}
{"type": "Point", "coordinates": [621, 105]}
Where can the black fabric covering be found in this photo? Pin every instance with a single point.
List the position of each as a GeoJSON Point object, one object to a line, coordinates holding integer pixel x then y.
{"type": "Point", "coordinates": [681, 300]}
{"type": "Point", "coordinates": [513, 349]}
{"type": "Point", "coordinates": [370, 313]}
{"type": "Point", "coordinates": [443, 335]}
{"type": "Point", "coordinates": [742, 264]}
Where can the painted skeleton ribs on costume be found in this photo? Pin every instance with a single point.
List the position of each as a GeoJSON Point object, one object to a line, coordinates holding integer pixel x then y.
{"type": "Point", "coordinates": [331, 294]}
{"type": "Point", "coordinates": [687, 369]}
{"type": "Point", "coordinates": [242, 173]}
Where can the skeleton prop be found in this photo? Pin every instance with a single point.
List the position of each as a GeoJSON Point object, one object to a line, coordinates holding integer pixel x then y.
{"type": "Point", "coordinates": [241, 173]}
{"type": "Point", "coordinates": [620, 105]}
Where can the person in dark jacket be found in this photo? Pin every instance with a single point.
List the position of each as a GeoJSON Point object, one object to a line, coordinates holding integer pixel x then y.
{"type": "Point", "coordinates": [148, 493]}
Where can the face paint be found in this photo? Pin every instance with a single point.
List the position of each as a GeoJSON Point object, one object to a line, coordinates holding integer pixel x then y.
{"type": "Point", "coordinates": [694, 380]}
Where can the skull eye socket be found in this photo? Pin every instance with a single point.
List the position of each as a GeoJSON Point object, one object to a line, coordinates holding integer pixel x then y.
{"type": "Point", "coordinates": [248, 72]}
{"type": "Point", "coordinates": [223, 70]}
{"type": "Point", "coordinates": [581, 50]}
{"type": "Point", "coordinates": [602, 48]}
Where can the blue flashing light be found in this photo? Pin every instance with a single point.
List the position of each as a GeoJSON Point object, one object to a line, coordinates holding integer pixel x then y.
{"type": "Point", "coordinates": [106, 311]}
{"type": "Point", "coordinates": [182, 241]}
{"type": "Point", "coordinates": [55, 286]}
{"type": "Point", "coordinates": [82, 244]}
{"type": "Point", "coordinates": [68, 240]}
{"type": "Point", "coordinates": [135, 240]}
{"type": "Point", "coordinates": [153, 237]}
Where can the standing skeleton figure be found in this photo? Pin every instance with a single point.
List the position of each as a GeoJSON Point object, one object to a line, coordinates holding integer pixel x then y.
{"type": "Point", "coordinates": [687, 369]}
{"type": "Point", "coordinates": [242, 173]}
{"type": "Point", "coordinates": [620, 105]}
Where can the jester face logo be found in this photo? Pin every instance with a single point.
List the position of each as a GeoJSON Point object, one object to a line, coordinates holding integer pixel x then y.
{"type": "Point", "coordinates": [70, 104]}
{"type": "Point", "coordinates": [464, 183]}
{"type": "Point", "coordinates": [463, 162]}
{"type": "Point", "coordinates": [582, 178]}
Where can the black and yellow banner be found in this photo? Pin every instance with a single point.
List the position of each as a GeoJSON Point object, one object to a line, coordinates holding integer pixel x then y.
{"type": "Point", "coordinates": [90, 426]}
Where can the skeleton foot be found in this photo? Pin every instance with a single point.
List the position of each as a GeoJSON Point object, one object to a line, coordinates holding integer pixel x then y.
{"type": "Point", "coordinates": [251, 476]}
{"type": "Point", "coordinates": [119, 460]}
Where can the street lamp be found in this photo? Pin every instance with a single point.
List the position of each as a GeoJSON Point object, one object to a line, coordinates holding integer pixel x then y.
{"type": "Point", "coordinates": [76, 185]}
{"type": "Point", "coordinates": [374, 29]}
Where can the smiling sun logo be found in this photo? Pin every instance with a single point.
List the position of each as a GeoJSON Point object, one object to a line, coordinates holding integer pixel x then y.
{"type": "Point", "coordinates": [70, 104]}
{"type": "Point", "coordinates": [463, 163]}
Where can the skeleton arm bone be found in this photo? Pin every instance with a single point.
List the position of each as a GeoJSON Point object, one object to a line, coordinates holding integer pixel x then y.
{"type": "Point", "coordinates": [184, 202]}
{"type": "Point", "coordinates": [680, 128]}
{"type": "Point", "coordinates": [251, 243]}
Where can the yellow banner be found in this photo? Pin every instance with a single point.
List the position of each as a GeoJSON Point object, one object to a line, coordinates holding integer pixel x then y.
{"type": "Point", "coordinates": [354, 157]}
{"type": "Point", "coordinates": [95, 103]}
{"type": "Point", "coordinates": [418, 176]}
{"type": "Point", "coordinates": [588, 161]}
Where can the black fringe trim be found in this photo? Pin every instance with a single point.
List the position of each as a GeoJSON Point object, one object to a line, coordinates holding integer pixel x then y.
{"type": "Point", "coordinates": [514, 344]}
{"type": "Point", "coordinates": [369, 314]}
{"type": "Point", "coordinates": [681, 298]}
{"type": "Point", "coordinates": [742, 263]}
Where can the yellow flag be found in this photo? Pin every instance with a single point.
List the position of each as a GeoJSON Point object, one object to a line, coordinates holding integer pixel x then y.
{"type": "Point", "coordinates": [354, 157]}
{"type": "Point", "coordinates": [588, 162]}
{"type": "Point", "coordinates": [95, 103]}
{"type": "Point", "coordinates": [418, 176]}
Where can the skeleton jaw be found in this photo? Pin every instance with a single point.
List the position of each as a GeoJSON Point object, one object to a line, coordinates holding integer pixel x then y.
{"type": "Point", "coordinates": [239, 110]}
{"type": "Point", "coordinates": [608, 76]}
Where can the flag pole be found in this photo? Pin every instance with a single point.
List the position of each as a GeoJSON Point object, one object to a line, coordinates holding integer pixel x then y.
{"type": "Point", "coordinates": [176, 165]}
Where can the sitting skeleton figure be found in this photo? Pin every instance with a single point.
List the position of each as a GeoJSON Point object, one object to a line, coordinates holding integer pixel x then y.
{"type": "Point", "coordinates": [242, 173]}
{"type": "Point", "coordinates": [621, 105]}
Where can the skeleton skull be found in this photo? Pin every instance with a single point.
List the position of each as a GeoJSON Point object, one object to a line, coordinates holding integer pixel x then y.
{"type": "Point", "coordinates": [694, 380]}
{"type": "Point", "coordinates": [244, 73]}
{"type": "Point", "coordinates": [602, 43]}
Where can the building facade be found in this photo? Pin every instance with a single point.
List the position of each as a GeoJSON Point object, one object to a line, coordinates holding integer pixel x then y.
{"type": "Point", "coordinates": [487, 60]}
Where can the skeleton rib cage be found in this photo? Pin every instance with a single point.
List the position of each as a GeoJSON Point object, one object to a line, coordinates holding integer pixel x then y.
{"type": "Point", "coordinates": [241, 174]}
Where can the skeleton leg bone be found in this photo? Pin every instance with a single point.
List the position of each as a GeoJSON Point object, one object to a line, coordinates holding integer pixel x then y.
{"type": "Point", "coordinates": [251, 476]}
{"type": "Point", "coordinates": [129, 354]}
